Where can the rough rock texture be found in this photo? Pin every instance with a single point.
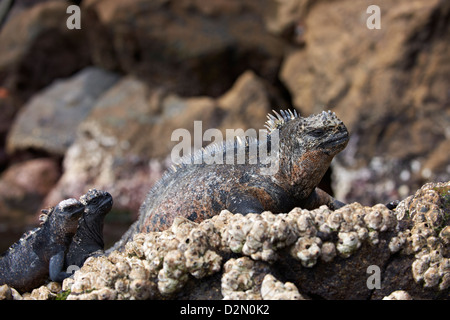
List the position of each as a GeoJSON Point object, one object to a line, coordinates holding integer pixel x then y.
{"type": "Point", "coordinates": [423, 245]}
{"type": "Point", "coordinates": [9, 107]}
{"type": "Point", "coordinates": [36, 47]}
{"type": "Point", "coordinates": [390, 85]}
{"type": "Point", "coordinates": [48, 122]}
{"type": "Point", "coordinates": [298, 255]}
{"type": "Point", "coordinates": [203, 49]}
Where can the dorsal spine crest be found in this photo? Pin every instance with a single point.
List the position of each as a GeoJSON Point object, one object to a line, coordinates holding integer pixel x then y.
{"type": "Point", "coordinates": [274, 123]}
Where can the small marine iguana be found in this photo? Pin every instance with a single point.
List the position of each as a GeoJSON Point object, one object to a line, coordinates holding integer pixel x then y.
{"type": "Point", "coordinates": [88, 241]}
{"type": "Point", "coordinates": [199, 191]}
{"type": "Point", "coordinates": [39, 254]}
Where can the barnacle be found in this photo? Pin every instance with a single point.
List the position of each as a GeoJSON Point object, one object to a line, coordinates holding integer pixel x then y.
{"type": "Point", "coordinates": [273, 289]}
{"type": "Point", "coordinates": [380, 218]}
{"type": "Point", "coordinates": [328, 251]}
{"type": "Point", "coordinates": [307, 250]}
{"type": "Point", "coordinates": [106, 293]}
{"type": "Point", "coordinates": [398, 295]}
{"type": "Point", "coordinates": [348, 243]}
{"type": "Point", "coordinates": [397, 242]}
{"type": "Point", "coordinates": [335, 219]}
{"type": "Point", "coordinates": [238, 281]}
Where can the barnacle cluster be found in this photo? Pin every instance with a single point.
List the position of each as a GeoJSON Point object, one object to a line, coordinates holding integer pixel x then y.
{"type": "Point", "coordinates": [238, 280]}
{"type": "Point", "coordinates": [47, 292]}
{"type": "Point", "coordinates": [352, 224]}
{"type": "Point", "coordinates": [428, 237]}
{"type": "Point", "coordinates": [114, 277]}
{"type": "Point", "coordinates": [260, 236]}
{"type": "Point", "coordinates": [159, 264]}
{"type": "Point", "coordinates": [152, 264]}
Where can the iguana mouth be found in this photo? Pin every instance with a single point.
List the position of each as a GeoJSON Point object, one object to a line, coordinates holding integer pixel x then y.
{"type": "Point", "coordinates": [107, 203]}
{"type": "Point", "coordinates": [336, 140]}
{"type": "Point", "coordinates": [76, 214]}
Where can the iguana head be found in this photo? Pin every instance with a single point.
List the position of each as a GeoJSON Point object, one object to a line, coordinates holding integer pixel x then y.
{"type": "Point", "coordinates": [64, 217]}
{"type": "Point", "coordinates": [96, 202]}
{"type": "Point", "coordinates": [322, 132]}
{"type": "Point", "coordinates": [307, 145]}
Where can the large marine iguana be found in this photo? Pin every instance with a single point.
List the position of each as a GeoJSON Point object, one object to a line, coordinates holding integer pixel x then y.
{"type": "Point", "coordinates": [40, 253]}
{"type": "Point", "coordinates": [199, 191]}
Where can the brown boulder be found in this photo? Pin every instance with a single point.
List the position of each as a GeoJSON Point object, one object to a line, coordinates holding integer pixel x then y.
{"type": "Point", "coordinates": [49, 120]}
{"type": "Point", "coordinates": [23, 187]}
{"type": "Point", "coordinates": [388, 85]}
{"type": "Point", "coordinates": [36, 47]}
{"type": "Point", "coordinates": [190, 47]}
{"type": "Point", "coordinates": [9, 107]}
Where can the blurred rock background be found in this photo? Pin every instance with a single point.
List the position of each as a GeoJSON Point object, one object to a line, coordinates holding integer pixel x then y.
{"type": "Point", "coordinates": [96, 107]}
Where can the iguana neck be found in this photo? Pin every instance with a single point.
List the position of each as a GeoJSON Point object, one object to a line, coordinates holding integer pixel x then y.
{"type": "Point", "coordinates": [91, 232]}
{"type": "Point", "coordinates": [303, 174]}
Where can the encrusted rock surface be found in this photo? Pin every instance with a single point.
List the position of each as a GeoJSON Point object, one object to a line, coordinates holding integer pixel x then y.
{"type": "Point", "coordinates": [398, 295]}
{"type": "Point", "coordinates": [422, 246]}
{"type": "Point", "coordinates": [297, 255]}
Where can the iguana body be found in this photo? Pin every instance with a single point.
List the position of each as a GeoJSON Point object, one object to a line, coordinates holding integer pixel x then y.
{"type": "Point", "coordinates": [40, 253]}
{"type": "Point", "coordinates": [200, 191]}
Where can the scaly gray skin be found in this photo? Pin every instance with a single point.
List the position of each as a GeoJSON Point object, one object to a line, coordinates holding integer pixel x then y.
{"type": "Point", "coordinates": [40, 253]}
{"type": "Point", "coordinates": [200, 191]}
{"type": "Point", "coordinates": [88, 240]}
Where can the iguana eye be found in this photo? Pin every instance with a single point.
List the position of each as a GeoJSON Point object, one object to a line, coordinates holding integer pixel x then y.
{"type": "Point", "coordinates": [317, 132]}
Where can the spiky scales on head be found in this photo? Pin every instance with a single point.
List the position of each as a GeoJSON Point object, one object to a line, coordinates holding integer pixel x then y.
{"type": "Point", "coordinates": [285, 121]}
{"type": "Point", "coordinates": [274, 123]}
{"type": "Point", "coordinates": [45, 214]}
{"type": "Point", "coordinates": [325, 119]}
{"type": "Point", "coordinates": [322, 131]}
